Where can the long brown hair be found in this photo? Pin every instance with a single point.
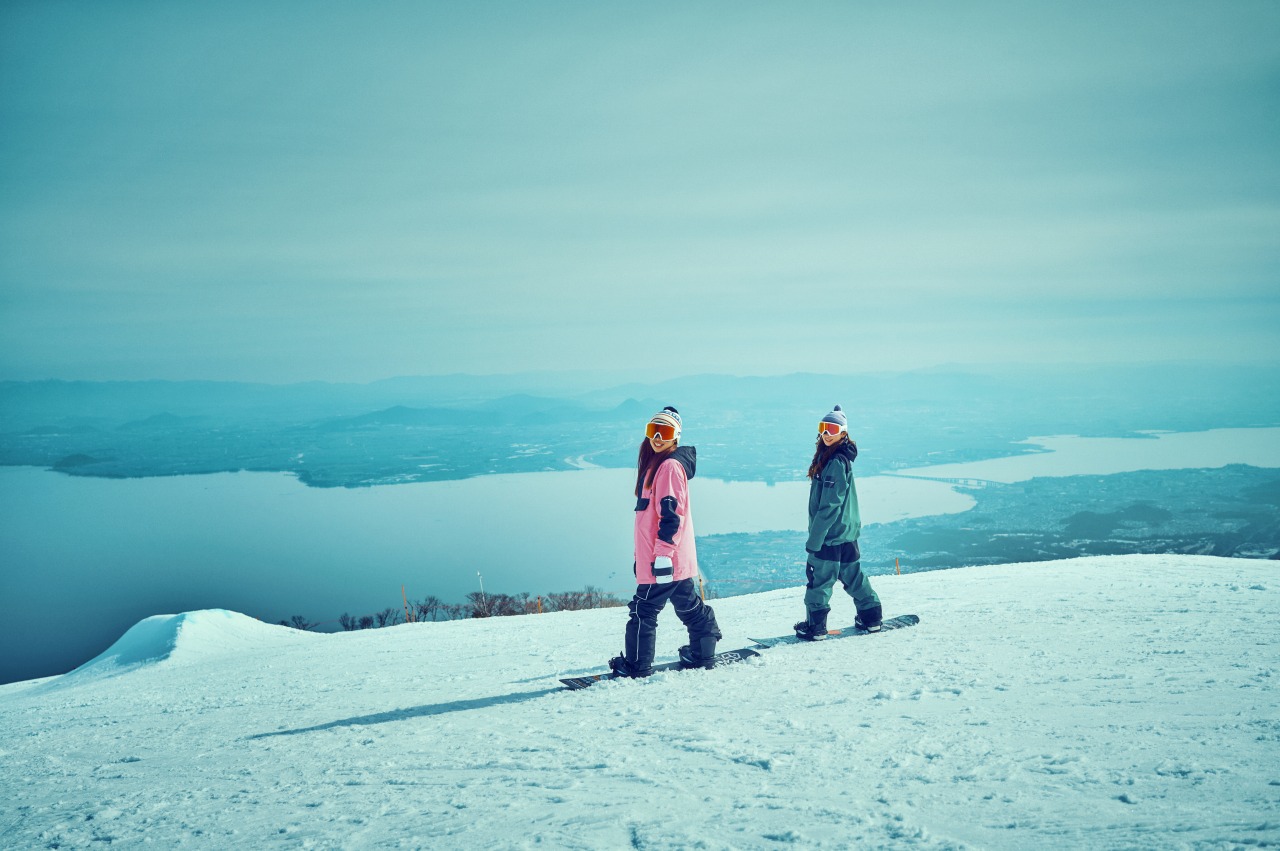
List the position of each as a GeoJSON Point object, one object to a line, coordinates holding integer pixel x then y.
{"type": "Point", "coordinates": [823, 454]}
{"type": "Point", "coordinates": [647, 464]}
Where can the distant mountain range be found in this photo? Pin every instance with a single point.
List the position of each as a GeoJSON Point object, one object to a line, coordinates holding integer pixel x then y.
{"type": "Point", "coordinates": [442, 427]}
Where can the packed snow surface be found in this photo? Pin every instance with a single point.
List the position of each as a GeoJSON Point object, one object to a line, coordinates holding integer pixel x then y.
{"type": "Point", "coordinates": [1124, 702]}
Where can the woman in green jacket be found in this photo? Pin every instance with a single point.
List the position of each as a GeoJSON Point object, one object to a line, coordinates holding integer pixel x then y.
{"type": "Point", "coordinates": [834, 524]}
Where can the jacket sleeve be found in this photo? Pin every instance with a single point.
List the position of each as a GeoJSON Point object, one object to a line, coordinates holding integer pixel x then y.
{"type": "Point", "coordinates": [835, 481]}
{"type": "Point", "coordinates": [671, 493]}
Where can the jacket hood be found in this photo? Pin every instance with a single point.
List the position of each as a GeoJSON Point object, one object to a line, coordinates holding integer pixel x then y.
{"type": "Point", "coordinates": [688, 458]}
{"type": "Point", "coordinates": [848, 449]}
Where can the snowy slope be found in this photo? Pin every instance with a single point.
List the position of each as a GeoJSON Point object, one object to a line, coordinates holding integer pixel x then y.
{"type": "Point", "coordinates": [1096, 703]}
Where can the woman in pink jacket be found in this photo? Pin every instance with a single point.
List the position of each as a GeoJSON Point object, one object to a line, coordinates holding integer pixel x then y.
{"type": "Point", "coordinates": [666, 558]}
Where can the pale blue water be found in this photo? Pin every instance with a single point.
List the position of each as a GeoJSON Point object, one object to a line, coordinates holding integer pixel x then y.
{"type": "Point", "coordinates": [1101, 456]}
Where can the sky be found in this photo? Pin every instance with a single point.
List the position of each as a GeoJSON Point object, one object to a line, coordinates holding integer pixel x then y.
{"type": "Point", "coordinates": [289, 191]}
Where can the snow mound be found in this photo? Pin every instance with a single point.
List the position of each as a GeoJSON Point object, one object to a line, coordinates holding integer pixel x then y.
{"type": "Point", "coordinates": [184, 638]}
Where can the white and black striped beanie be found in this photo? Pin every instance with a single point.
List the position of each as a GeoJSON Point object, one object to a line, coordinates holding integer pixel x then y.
{"type": "Point", "coordinates": [668, 415]}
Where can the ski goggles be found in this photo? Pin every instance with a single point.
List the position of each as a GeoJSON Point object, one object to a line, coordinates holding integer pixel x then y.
{"type": "Point", "coordinates": [662, 430]}
{"type": "Point", "coordinates": [830, 428]}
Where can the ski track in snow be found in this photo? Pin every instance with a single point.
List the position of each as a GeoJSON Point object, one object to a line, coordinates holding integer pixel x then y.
{"type": "Point", "coordinates": [1121, 702]}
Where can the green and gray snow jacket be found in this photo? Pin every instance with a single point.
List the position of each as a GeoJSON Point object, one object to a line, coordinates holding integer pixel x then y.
{"type": "Point", "coordinates": [833, 503]}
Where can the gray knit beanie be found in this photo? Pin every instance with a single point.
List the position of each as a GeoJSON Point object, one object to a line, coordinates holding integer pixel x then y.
{"type": "Point", "coordinates": [837, 416]}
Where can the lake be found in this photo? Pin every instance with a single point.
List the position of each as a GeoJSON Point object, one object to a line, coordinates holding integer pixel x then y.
{"type": "Point", "coordinates": [84, 558]}
{"type": "Point", "coordinates": [91, 557]}
{"type": "Point", "coordinates": [1101, 456]}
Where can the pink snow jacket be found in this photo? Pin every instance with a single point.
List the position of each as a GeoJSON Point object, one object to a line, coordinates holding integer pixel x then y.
{"type": "Point", "coordinates": [664, 522]}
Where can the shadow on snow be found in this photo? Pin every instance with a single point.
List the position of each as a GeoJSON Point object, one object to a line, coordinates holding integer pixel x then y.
{"type": "Point", "coordinates": [415, 712]}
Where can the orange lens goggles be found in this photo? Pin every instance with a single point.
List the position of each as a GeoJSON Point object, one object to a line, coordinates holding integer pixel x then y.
{"type": "Point", "coordinates": [662, 430]}
{"type": "Point", "coordinates": [829, 428]}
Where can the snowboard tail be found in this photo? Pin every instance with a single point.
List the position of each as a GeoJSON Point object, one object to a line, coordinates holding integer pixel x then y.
{"type": "Point", "coordinates": [899, 622]}
{"type": "Point", "coordinates": [728, 657]}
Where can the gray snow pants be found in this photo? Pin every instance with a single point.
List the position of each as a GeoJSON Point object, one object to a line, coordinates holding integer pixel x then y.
{"type": "Point", "coordinates": [841, 562]}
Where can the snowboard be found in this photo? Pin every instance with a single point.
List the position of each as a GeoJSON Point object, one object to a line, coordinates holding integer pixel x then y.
{"type": "Point", "coordinates": [893, 623]}
{"type": "Point", "coordinates": [726, 658]}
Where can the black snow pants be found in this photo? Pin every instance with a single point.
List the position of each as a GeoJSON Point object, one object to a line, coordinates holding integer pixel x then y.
{"type": "Point", "coordinates": [642, 626]}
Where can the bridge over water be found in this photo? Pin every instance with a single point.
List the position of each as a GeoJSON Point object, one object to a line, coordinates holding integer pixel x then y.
{"type": "Point", "coordinates": [963, 483]}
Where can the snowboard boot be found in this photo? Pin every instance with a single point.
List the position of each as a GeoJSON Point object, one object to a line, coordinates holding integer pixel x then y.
{"type": "Point", "coordinates": [622, 668]}
{"type": "Point", "coordinates": [703, 657]}
{"type": "Point", "coordinates": [704, 632]}
{"type": "Point", "coordinates": [868, 620]}
{"type": "Point", "coordinates": [815, 628]}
